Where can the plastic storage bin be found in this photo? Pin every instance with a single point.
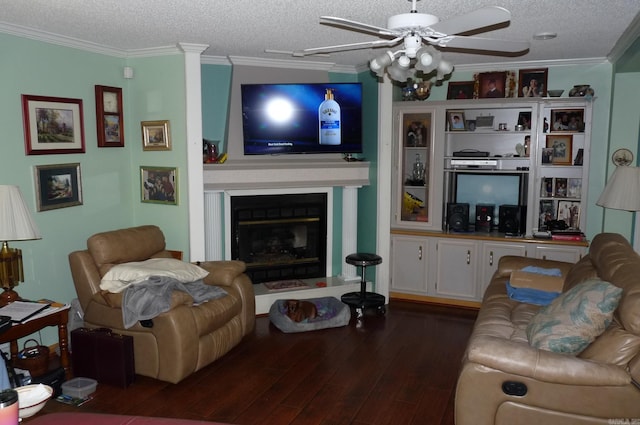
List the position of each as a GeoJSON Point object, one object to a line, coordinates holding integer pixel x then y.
{"type": "Point", "coordinates": [79, 387]}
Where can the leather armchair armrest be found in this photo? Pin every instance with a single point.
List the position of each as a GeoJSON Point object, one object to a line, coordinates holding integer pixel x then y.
{"type": "Point", "coordinates": [222, 273]}
{"type": "Point", "coordinates": [521, 359]}
{"type": "Point", "coordinates": [114, 300]}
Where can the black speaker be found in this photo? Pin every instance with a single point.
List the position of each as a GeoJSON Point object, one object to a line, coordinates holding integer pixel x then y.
{"type": "Point", "coordinates": [458, 217]}
{"type": "Point", "coordinates": [511, 219]}
{"type": "Point", "coordinates": [484, 217]}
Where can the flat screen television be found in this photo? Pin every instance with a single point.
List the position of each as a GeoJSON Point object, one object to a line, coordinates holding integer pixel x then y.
{"type": "Point", "coordinates": [301, 118]}
{"type": "Point", "coordinates": [494, 189]}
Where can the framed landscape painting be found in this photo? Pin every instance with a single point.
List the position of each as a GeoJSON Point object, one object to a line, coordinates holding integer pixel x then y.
{"type": "Point", "coordinates": [52, 125]}
{"type": "Point", "coordinates": [58, 186]}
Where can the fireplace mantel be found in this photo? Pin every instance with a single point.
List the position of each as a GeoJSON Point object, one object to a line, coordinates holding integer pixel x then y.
{"type": "Point", "coordinates": [278, 173]}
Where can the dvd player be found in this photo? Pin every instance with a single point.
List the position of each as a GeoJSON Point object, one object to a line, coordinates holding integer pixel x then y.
{"type": "Point", "coordinates": [474, 163]}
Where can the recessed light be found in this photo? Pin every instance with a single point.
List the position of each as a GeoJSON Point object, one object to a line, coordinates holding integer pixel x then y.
{"type": "Point", "coordinates": [544, 35]}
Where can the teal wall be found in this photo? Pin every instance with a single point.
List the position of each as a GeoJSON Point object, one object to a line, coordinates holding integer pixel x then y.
{"type": "Point", "coordinates": [109, 176]}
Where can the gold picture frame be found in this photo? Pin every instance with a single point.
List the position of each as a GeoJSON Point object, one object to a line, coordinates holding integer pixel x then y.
{"type": "Point", "coordinates": [156, 135]}
{"type": "Point", "coordinates": [159, 185]}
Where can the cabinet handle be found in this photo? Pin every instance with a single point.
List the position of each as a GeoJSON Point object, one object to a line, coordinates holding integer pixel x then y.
{"type": "Point", "coordinates": [420, 252]}
{"type": "Point", "coordinates": [468, 257]}
{"type": "Point", "coordinates": [491, 258]}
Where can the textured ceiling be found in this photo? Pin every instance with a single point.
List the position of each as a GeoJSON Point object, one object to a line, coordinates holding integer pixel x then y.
{"type": "Point", "coordinates": [585, 28]}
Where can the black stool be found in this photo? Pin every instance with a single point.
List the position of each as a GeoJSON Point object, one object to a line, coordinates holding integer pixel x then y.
{"type": "Point", "coordinates": [363, 299]}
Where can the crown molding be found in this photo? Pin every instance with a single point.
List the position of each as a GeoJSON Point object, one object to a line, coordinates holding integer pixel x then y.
{"type": "Point", "coordinates": [626, 40]}
{"type": "Point", "coordinates": [281, 63]}
{"type": "Point", "coordinates": [214, 60]}
{"type": "Point", "coordinates": [482, 67]}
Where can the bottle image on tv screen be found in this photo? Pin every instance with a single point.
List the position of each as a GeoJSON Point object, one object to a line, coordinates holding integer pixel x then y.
{"type": "Point", "coordinates": [329, 117]}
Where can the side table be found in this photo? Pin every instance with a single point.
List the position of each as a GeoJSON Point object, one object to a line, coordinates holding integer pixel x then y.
{"type": "Point", "coordinates": [58, 318]}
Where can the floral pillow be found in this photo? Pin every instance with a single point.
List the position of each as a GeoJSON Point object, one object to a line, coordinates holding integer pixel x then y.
{"type": "Point", "coordinates": [574, 319]}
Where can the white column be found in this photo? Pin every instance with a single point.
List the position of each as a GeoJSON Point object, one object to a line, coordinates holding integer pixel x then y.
{"type": "Point", "coordinates": [349, 230]}
{"type": "Point", "coordinates": [213, 225]}
{"type": "Point", "coordinates": [195, 178]}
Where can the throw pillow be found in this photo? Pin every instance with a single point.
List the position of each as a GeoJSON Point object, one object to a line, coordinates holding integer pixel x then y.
{"type": "Point", "coordinates": [122, 275]}
{"type": "Point", "coordinates": [574, 319]}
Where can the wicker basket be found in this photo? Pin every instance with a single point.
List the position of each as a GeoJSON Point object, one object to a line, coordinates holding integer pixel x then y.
{"type": "Point", "coordinates": [34, 358]}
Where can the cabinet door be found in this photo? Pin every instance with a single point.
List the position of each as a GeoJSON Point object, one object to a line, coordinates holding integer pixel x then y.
{"type": "Point", "coordinates": [491, 254]}
{"type": "Point", "coordinates": [408, 266]}
{"type": "Point", "coordinates": [416, 185]}
{"type": "Point", "coordinates": [457, 269]}
{"type": "Point", "coordinates": [570, 254]}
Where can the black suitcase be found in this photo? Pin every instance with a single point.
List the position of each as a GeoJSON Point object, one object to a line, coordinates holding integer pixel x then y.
{"type": "Point", "coordinates": [103, 355]}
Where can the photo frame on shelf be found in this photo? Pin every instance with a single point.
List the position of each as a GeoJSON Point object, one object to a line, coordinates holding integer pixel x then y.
{"type": "Point", "coordinates": [579, 159]}
{"type": "Point", "coordinates": [159, 185]}
{"type": "Point", "coordinates": [574, 188]}
{"type": "Point", "coordinates": [560, 187]}
{"type": "Point", "coordinates": [492, 84]}
{"type": "Point", "coordinates": [532, 82]}
{"type": "Point", "coordinates": [417, 131]}
{"type": "Point", "coordinates": [567, 120]}
{"type": "Point", "coordinates": [547, 155]}
{"type": "Point", "coordinates": [561, 145]}
{"type": "Point", "coordinates": [109, 116]}
{"type": "Point", "coordinates": [569, 212]}
{"type": "Point", "coordinates": [58, 186]}
{"type": "Point", "coordinates": [156, 135]}
{"type": "Point", "coordinates": [456, 121]}
{"type": "Point", "coordinates": [64, 129]}
{"type": "Point", "coordinates": [460, 90]}
{"type": "Point", "coordinates": [547, 213]}
{"type": "Point", "coordinates": [524, 119]}
{"type": "Point", "coordinates": [546, 187]}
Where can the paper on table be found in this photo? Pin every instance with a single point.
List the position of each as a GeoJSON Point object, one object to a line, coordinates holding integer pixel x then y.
{"type": "Point", "coordinates": [19, 311]}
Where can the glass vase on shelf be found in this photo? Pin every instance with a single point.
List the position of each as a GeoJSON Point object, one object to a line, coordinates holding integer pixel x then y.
{"type": "Point", "coordinates": [417, 176]}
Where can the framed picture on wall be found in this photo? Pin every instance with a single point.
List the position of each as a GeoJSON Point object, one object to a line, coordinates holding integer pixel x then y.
{"type": "Point", "coordinates": [52, 125]}
{"type": "Point", "coordinates": [156, 136]}
{"type": "Point", "coordinates": [58, 186]}
{"type": "Point", "coordinates": [109, 121]}
{"type": "Point", "coordinates": [159, 185]}
{"type": "Point", "coordinates": [460, 89]}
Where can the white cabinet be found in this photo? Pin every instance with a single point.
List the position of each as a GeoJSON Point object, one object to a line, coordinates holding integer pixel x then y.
{"type": "Point", "coordinates": [409, 264]}
{"type": "Point", "coordinates": [456, 269]}
{"type": "Point", "coordinates": [491, 254]}
{"type": "Point", "coordinates": [570, 254]}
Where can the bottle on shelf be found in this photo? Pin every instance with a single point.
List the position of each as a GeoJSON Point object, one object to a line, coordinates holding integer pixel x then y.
{"type": "Point", "coordinates": [418, 171]}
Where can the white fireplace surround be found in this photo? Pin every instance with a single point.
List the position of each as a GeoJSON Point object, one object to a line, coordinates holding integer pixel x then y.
{"type": "Point", "coordinates": [288, 176]}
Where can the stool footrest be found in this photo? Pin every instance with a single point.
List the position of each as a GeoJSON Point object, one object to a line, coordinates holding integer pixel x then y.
{"type": "Point", "coordinates": [370, 299]}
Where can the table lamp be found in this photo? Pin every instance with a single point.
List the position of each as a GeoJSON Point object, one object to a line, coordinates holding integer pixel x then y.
{"type": "Point", "coordinates": [16, 224]}
{"type": "Point", "coordinates": [622, 191]}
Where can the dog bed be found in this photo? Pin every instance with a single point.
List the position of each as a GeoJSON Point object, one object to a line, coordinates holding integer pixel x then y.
{"type": "Point", "coordinates": [332, 313]}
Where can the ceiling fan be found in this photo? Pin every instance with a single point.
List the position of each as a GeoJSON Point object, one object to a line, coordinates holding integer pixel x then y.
{"type": "Point", "coordinates": [419, 33]}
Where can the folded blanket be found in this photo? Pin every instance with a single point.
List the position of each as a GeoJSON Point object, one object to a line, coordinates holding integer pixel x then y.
{"type": "Point", "coordinates": [145, 300]}
{"type": "Point", "coordinates": [535, 285]}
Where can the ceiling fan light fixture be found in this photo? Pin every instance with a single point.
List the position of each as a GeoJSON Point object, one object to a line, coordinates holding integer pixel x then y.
{"type": "Point", "coordinates": [400, 73]}
{"type": "Point", "coordinates": [428, 59]}
{"type": "Point", "coordinates": [378, 65]}
{"type": "Point", "coordinates": [404, 61]}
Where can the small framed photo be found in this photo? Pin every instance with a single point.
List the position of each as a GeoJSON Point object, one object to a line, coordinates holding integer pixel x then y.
{"type": "Point", "coordinates": [574, 188]}
{"type": "Point", "coordinates": [492, 84]}
{"type": "Point", "coordinates": [532, 82]}
{"type": "Point", "coordinates": [567, 120]}
{"type": "Point", "coordinates": [52, 125]}
{"type": "Point", "coordinates": [547, 213]}
{"type": "Point", "coordinates": [159, 185]}
{"type": "Point", "coordinates": [569, 212]}
{"type": "Point", "coordinates": [456, 120]}
{"type": "Point", "coordinates": [546, 187]}
{"type": "Point", "coordinates": [560, 187]}
{"type": "Point", "coordinates": [460, 90]}
{"type": "Point", "coordinates": [524, 119]}
{"type": "Point", "coordinates": [156, 136]}
{"type": "Point", "coordinates": [561, 145]}
{"type": "Point", "coordinates": [58, 186]}
{"type": "Point", "coordinates": [417, 130]}
{"type": "Point", "coordinates": [547, 155]}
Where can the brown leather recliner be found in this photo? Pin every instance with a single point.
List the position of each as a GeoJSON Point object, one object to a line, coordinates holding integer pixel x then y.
{"type": "Point", "coordinates": [506, 381]}
{"type": "Point", "coordinates": [182, 340]}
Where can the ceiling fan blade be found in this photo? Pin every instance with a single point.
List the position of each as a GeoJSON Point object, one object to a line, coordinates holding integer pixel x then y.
{"type": "Point", "coordinates": [349, 24]}
{"type": "Point", "coordinates": [479, 43]}
{"type": "Point", "coordinates": [350, 46]}
{"type": "Point", "coordinates": [480, 18]}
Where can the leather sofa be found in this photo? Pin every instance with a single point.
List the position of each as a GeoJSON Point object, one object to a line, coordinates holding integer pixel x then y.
{"type": "Point", "coordinates": [101, 419]}
{"type": "Point", "coordinates": [182, 340]}
{"type": "Point", "coordinates": [593, 387]}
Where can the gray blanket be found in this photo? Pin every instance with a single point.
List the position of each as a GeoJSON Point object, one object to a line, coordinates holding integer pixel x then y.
{"type": "Point", "coordinates": [145, 300]}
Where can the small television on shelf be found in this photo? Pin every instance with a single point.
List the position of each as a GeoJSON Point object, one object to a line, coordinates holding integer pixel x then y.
{"type": "Point", "coordinates": [302, 118]}
{"type": "Point", "coordinates": [489, 189]}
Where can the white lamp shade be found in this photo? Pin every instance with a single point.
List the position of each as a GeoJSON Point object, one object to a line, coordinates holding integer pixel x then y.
{"type": "Point", "coordinates": [622, 191]}
{"type": "Point", "coordinates": [16, 222]}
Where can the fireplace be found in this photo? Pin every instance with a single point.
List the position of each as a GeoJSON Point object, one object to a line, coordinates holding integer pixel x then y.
{"type": "Point", "coordinates": [280, 236]}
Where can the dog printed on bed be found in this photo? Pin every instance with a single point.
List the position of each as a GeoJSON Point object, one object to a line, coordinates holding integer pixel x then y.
{"type": "Point", "coordinates": [299, 311]}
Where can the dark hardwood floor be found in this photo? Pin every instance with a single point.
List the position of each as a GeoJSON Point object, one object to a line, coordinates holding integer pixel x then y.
{"type": "Point", "coordinates": [396, 369]}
